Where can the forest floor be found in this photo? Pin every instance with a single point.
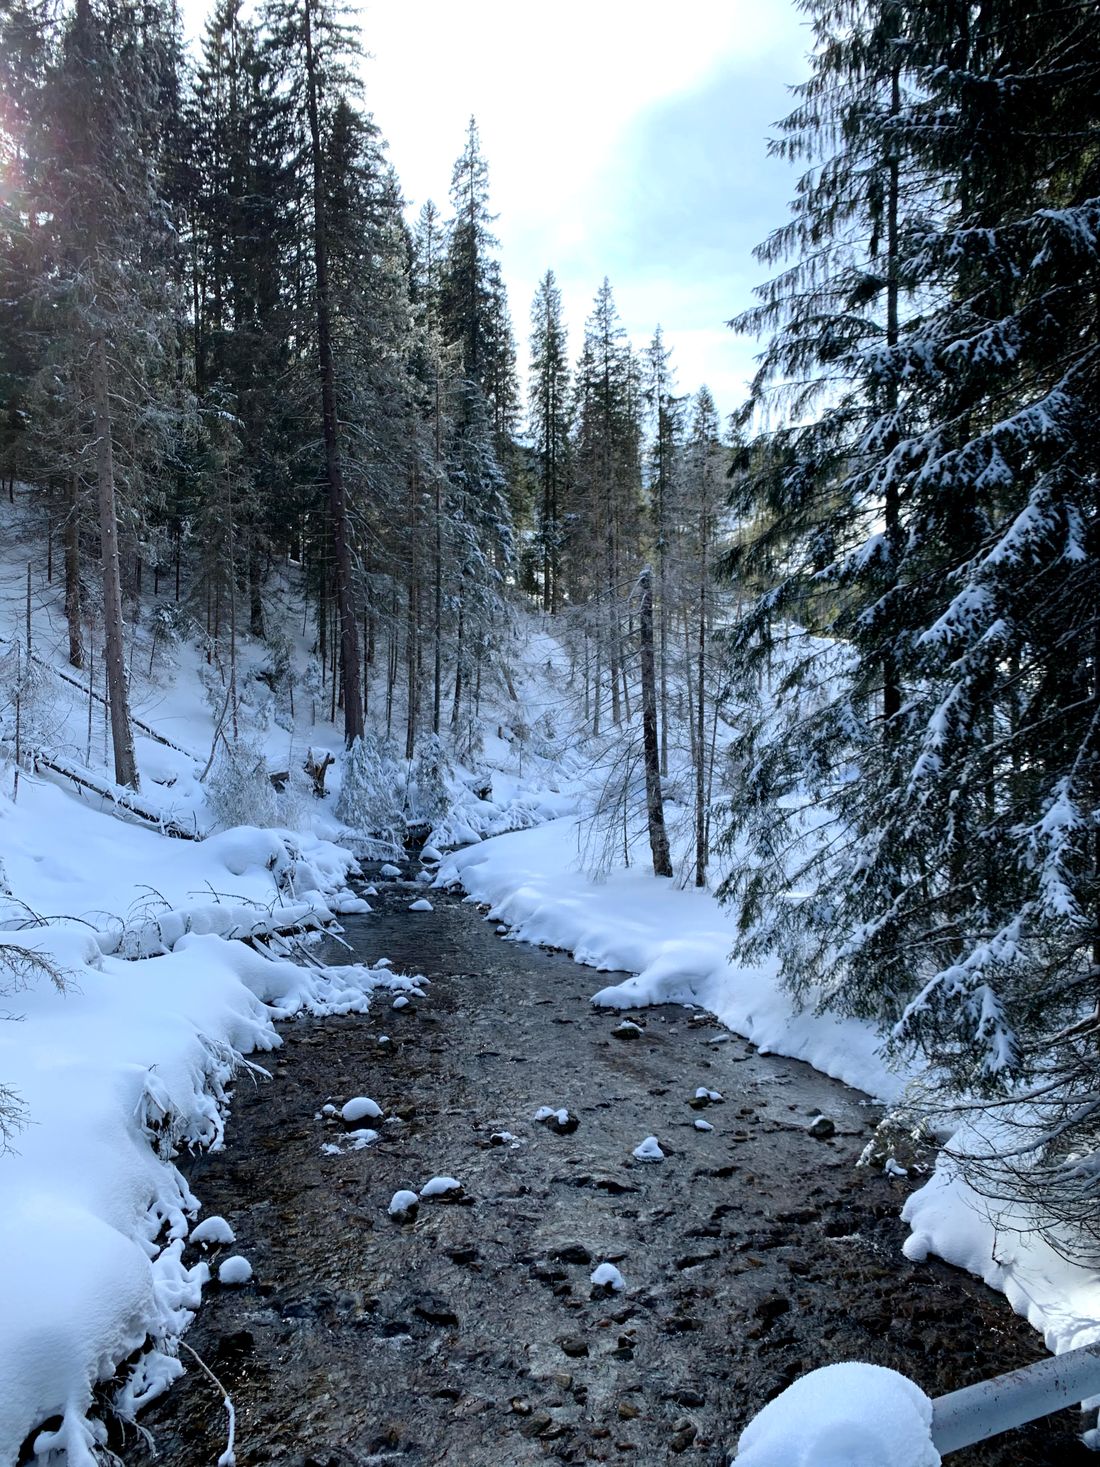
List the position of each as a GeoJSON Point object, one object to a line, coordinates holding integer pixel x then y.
{"type": "Point", "coordinates": [752, 1253]}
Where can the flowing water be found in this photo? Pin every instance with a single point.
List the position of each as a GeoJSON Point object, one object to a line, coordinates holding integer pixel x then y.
{"type": "Point", "coordinates": [752, 1253]}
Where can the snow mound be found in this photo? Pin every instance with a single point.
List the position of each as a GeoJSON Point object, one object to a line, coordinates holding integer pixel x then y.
{"type": "Point", "coordinates": [390, 870]}
{"type": "Point", "coordinates": [441, 1187]}
{"type": "Point", "coordinates": [360, 1108]}
{"type": "Point", "coordinates": [607, 1276]}
{"type": "Point", "coordinates": [648, 1150]}
{"type": "Point", "coordinates": [235, 1270]}
{"type": "Point", "coordinates": [848, 1415]}
{"type": "Point", "coordinates": [213, 1230]}
{"type": "Point", "coordinates": [421, 905]}
{"type": "Point", "coordinates": [403, 1204]}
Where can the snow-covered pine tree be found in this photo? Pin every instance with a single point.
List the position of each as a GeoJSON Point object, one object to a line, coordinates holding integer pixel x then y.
{"type": "Point", "coordinates": [106, 409]}
{"type": "Point", "coordinates": [664, 411]}
{"type": "Point", "coordinates": [549, 421]}
{"type": "Point", "coordinates": [314, 43]}
{"type": "Point", "coordinates": [604, 546]}
{"type": "Point", "coordinates": [933, 510]}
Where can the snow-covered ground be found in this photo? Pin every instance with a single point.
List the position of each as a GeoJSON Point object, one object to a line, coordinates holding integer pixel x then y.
{"type": "Point", "coordinates": [172, 963]}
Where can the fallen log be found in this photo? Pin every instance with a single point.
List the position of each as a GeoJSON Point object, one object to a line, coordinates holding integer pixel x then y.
{"type": "Point", "coordinates": [128, 801]}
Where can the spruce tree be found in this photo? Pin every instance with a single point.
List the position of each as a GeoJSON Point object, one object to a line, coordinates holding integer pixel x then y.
{"type": "Point", "coordinates": [549, 420]}
{"type": "Point", "coordinates": [933, 510]}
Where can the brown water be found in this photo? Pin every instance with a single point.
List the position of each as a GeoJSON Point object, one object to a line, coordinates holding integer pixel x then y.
{"type": "Point", "coordinates": [752, 1253]}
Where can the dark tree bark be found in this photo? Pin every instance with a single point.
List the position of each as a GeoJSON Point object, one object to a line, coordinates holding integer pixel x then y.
{"type": "Point", "coordinates": [73, 609]}
{"type": "Point", "coordinates": [122, 737]}
{"type": "Point", "coordinates": [655, 808]}
{"type": "Point", "coordinates": [351, 693]}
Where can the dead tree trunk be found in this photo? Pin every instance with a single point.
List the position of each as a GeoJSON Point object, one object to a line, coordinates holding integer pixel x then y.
{"type": "Point", "coordinates": [655, 808]}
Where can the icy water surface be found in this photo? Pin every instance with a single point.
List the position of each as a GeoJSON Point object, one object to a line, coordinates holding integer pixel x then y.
{"type": "Point", "coordinates": [752, 1253]}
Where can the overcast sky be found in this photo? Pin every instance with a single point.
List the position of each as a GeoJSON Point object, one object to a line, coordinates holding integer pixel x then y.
{"type": "Point", "coordinates": [624, 138]}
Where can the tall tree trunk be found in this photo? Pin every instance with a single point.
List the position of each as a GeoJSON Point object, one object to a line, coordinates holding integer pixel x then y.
{"type": "Point", "coordinates": [73, 608]}
{"type": "Point", "coordinates": [255, 586]}
{"type": "Point", "coordinates": [122, 735]}
{"type": "Point", "coordinates": [891, 688]}
{"type": "Point", "coordinates": [701, 719]}
{"type": "Point", "coordinates": [412, 640]}
{"type": "Point", "coordinates": [351, 692]}
{"type": "Point", "coordinates": [460, 653]}
{"type": "Point", "coordinates": [655, 808]}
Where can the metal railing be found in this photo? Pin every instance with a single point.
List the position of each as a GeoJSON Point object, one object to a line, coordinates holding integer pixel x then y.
{"type": "Point", "coordinates": [991, 1406]}
{"type": "Point", "coordinates": [967, 1416]}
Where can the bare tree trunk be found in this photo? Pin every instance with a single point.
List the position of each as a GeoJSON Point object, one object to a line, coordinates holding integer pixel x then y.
{"type": "Point", "coordinates": [255, 599]}
{"type": "Point", "coordinates": [73, 608]}
{"type": "Point", "coordinates": [655, 809]}
{"type": "Point", "coordinates": [341, 536]}
{"type": "Point", "coordinates": [411, 639]}
{"type": "Point", "coordinates": [460, 652]}
{"type": "Point", "coordinates": [596, 682]}
{"type": "Point", "coordinates": [700, 729]}
{"type": "Point", "coordinates": [122, 736]}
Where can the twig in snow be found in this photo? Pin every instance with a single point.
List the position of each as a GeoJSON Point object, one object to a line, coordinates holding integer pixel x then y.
{"type": "Point", "coordinates": [228, 1457]}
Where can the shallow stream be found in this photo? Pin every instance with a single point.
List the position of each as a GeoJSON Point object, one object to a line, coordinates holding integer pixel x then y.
{"type": "Point", "coordinates": [752, 1253]}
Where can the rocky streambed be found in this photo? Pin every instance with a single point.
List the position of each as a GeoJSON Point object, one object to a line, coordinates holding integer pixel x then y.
{"type": "Point", "coordinates": [473, 1335]}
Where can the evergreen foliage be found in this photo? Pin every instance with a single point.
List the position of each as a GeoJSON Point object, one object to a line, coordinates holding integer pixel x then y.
{"type": "Point", "coordinates": [931, 505]}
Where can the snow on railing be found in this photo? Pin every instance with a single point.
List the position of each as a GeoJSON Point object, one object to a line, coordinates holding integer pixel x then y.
{"type": "Point", "coordinates": [854, 1413]}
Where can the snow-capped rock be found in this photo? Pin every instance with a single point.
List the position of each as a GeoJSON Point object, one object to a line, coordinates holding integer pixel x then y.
{"type": "Point", "coordinates": [606, 1278]}
{"type": "Point", "coordinates": [441, 1188]}
{"type": "Point", "coordinates": [235, 1270]}
{"type": "Point", "coordinates": [404, 1206]}
{"type": "Point", "coordinates": [648, 1150]}
{"type": "Point", "coordinates": [362, 1107]}
{"type": "Point", "coordinates": [213, 1230]}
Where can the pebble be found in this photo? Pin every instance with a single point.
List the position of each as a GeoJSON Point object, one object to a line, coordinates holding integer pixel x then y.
{"type": "Point", "coordinates": [821, 1128]}
{"type": "Point", "coordinates": [573, 1345]}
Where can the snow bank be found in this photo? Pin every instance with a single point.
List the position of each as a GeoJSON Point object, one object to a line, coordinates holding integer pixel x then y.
{"type": "Point", "coordinates": [676, 942]}
{"type": "Point", "coordinates": [130, 1063]}
{"type": "Point", "coordinates": [849, 1415]}
{"type": "Point", "coordinates": [948, 1218]}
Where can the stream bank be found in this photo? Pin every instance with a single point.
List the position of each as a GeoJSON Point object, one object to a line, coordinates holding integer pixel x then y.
{"type": "Point", "coordinates": [752, 1253]}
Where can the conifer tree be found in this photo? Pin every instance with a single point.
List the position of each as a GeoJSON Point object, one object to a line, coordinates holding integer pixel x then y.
{"type": "Point", "coordinates": [105, 286]}
{"type": "Point", "coordinates": [606, 490]}
{"type": "Point", "coordinates": [549, 419]}
{"type": "Point", "coordinates": [315, 44]}
{"type": "Point", "coordinates": [937, 516]}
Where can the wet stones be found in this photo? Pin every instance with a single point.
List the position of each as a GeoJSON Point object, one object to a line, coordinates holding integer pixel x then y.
{"type": "Point", "coordinates": [575, 1346]}
{"type": "Point", "coordinates": [561, 1122]}
{"type": "Point", "coordinates": [463, 1254]}
{"type": "Point", "coordinates": [433, 1310]}
{"type": "Point", "coordinates": [404, 1207]}
{"type": "Point", "coordinates": [570, 1253]}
